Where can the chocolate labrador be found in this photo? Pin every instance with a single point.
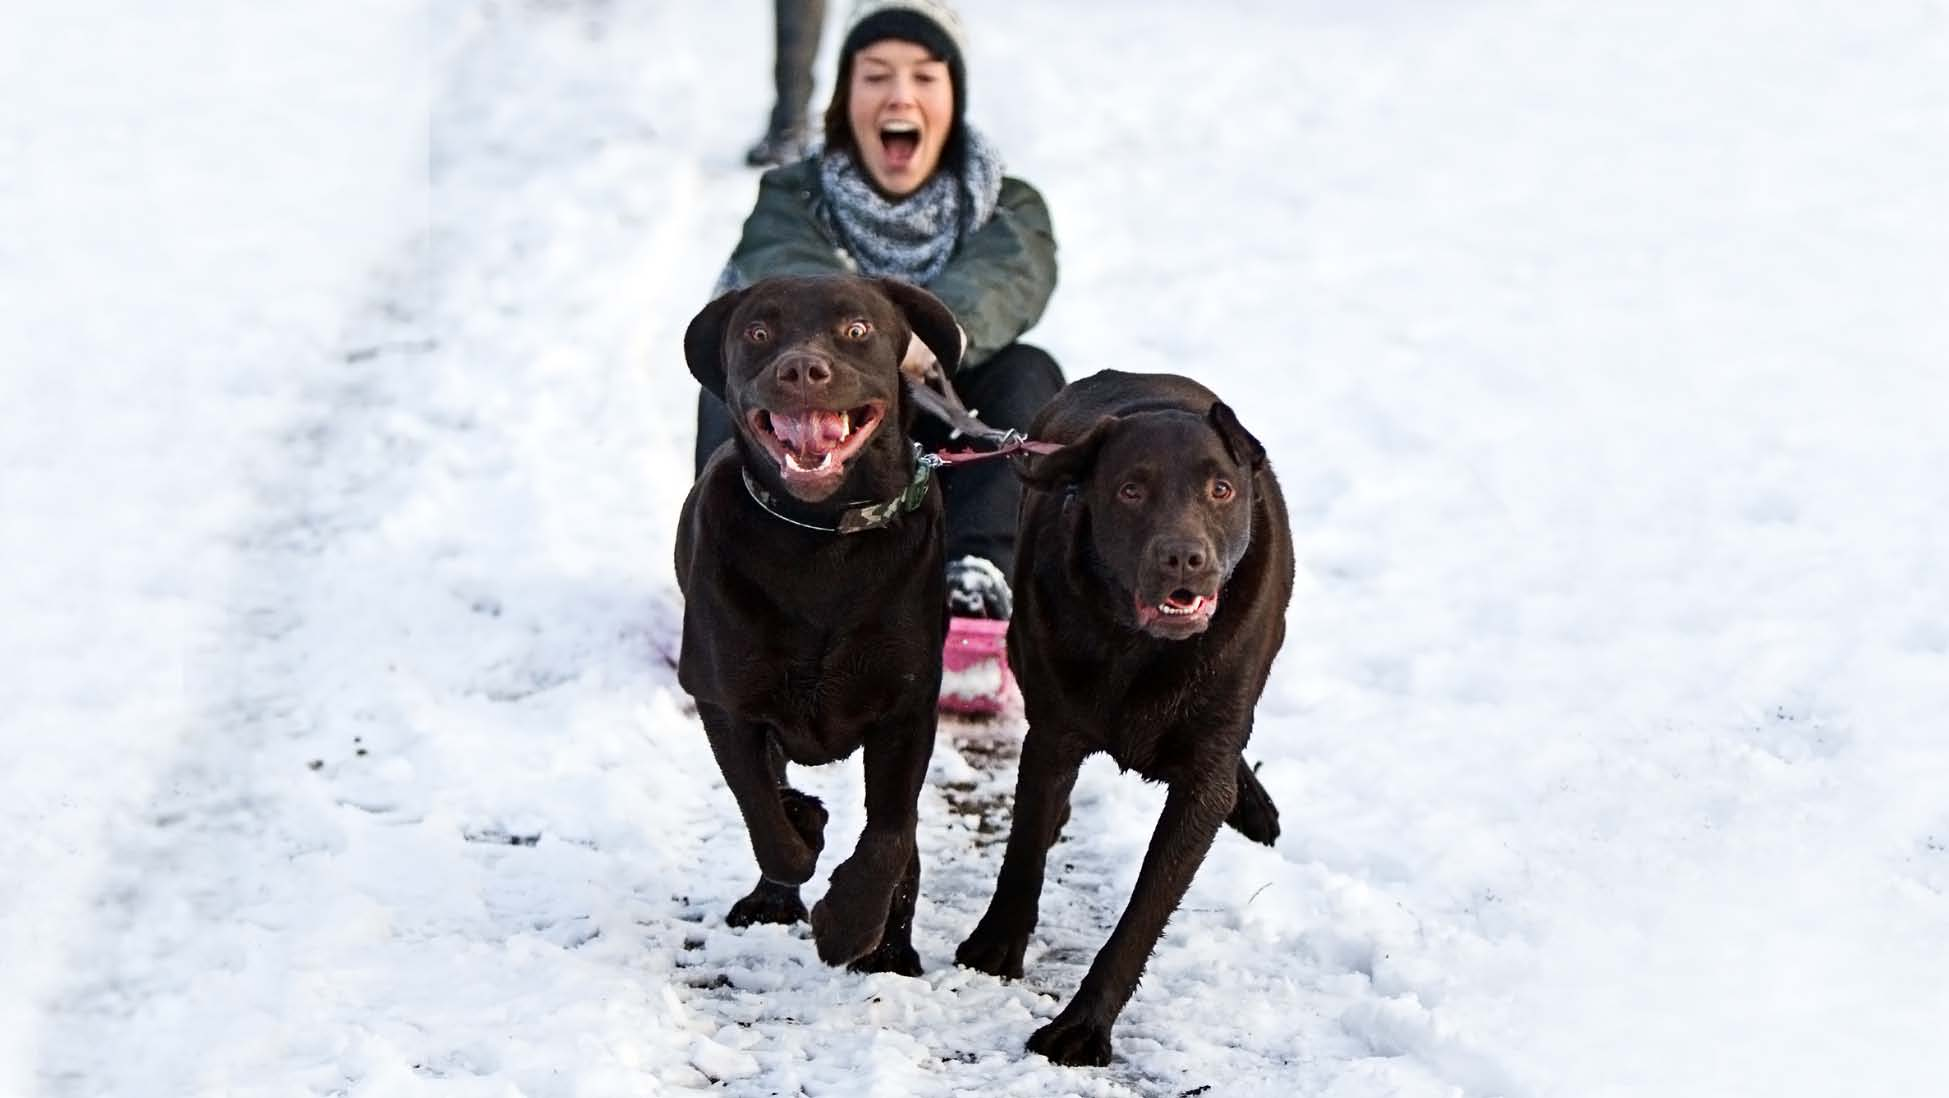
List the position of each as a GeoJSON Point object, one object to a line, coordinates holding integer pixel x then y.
{"type": "Point", "coordinates": [809, 555]}
{"type": "Point", "coordinates": [1151, 581]}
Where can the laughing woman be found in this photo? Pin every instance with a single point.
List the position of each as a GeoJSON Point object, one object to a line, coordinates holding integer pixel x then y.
{"type": "Point", "coordinates": [905, 188]}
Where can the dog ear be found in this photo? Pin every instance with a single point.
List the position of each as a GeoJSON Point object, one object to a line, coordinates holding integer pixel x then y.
{"type": "Point", "coordinates": [704, 342]}
{"type": "Point", "coordinates": [929, 319]}
{"type": "Point", "coordinates": [1238, 441]}
{"type": "Point", "coordinates": [1069, 466]}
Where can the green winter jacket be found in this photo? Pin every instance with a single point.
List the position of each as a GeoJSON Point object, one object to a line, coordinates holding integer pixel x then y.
{"type": "Point", "coordinates": [997, 283]}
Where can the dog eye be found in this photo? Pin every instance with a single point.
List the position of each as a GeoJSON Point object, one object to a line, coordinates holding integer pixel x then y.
{"type": "Point", "coordinates": [758, 333]}
{"type": "Point", "coordinates": [1131, 492]}
{"type": "Point", "coordinates": [1222, 489]}
{"type": "Point", "coordinates": [858, 330]}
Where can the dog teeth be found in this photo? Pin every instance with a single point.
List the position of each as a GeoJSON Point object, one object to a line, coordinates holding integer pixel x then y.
{"type": "Point", "coordinates": [1197, 604]}
{"type": "Point", "coordinates": [825, 463]}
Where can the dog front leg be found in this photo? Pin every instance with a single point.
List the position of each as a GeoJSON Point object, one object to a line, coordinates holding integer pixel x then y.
{"type": "Point", "coordinates": [895, 953]}
{"type": "Point", "coordinates": [768, 901]}
{"type": "Point", "coordinates": [1193, 811]}
{"type": "Point", "coordinates": [786, 843]}
{"type": "Point", "coordinates": [851, 920]}
{"type": "Point", "coordinates": [1042, 787]}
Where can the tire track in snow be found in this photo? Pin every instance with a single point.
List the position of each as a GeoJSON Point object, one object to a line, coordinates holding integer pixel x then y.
{"type": "Point", "coordinates": [191, 904]}
{"type": "Point", "coordinates": [312, 854]}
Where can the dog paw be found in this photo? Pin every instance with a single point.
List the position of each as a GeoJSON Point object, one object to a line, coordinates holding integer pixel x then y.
{"type": "Point", "coordinates": [898, 958]}
{"type": "Point", "coordinates": [842, 933]}
{"type": "Point", "coordinates": [807, 815]}
{"type": "Point", "coordinates": [785, 858]}
{"type": "Point", "coordinates": [852, 917]}
{"type": "Point", "coordinates": [1253, 813]}
{"type": "Point", "coordinates": [996, 954]}
{"type": "Point", "coordinates": [1072, 1041]}
{"type": "Point", "coordinates": [770, 902]}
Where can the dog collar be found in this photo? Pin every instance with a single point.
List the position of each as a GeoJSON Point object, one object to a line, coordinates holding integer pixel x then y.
{"type": "Point", "coordinates": [859, 517]}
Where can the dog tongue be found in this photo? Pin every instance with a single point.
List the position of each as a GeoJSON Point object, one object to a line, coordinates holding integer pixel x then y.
{"type": "Point", "coordinates": [810, 432]}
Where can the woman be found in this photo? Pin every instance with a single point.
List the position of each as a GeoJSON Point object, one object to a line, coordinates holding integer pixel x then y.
{"type": "Point", "coordinates": [905, 188]}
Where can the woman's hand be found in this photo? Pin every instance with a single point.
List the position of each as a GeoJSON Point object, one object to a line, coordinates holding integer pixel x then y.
{"type": "Point", "coordinates": [919, 362]}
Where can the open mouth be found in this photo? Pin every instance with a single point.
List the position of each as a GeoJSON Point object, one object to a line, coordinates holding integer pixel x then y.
{"type": "Point", "coordinates": [900, 140]}
{"type": "Point", "coordinates": [1180, 613]}
{"type": "Point", "coordinates": [812, 447]}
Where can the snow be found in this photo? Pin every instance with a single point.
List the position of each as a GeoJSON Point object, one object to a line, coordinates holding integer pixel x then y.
{"type": "Point", "coordinates": [978, 680]}
{"type": "Point", "coordinates": [1598, 350]}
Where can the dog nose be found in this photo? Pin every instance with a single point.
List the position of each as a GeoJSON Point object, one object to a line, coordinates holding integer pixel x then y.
{"type": "Point", "coordinates": [1182, 558]}
{"type": "Point", "coordinates": [804, 372]}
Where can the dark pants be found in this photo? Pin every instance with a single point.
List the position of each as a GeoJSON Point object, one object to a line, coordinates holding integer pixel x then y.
{"type": "Point", "coordinates": [797, 25]}
{"type": "Point", "coordinates": [982, 498]}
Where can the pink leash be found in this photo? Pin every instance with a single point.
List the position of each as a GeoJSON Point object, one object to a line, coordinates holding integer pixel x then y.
{"type": "Point", "coordinates": [945, 405]}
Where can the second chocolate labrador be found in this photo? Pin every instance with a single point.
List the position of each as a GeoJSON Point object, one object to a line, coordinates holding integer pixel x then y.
{"type": "Point", "coordinates": [1151, 582]}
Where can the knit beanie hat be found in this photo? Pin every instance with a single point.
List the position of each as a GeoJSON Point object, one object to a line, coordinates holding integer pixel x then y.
{"type": "Point", "coordinates": [929, 24]}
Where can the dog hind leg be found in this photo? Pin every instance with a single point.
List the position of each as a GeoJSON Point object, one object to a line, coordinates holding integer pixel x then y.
{"type": "Point", "coordinates": [1253, 814]}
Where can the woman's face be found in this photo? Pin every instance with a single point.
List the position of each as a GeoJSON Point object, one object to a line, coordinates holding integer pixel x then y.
{"type": "Point", "coordinates": [901, 104]}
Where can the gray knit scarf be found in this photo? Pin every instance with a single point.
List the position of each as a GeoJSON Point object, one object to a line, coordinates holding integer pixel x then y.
{"type": "Point", "coordinates": [913, 238]}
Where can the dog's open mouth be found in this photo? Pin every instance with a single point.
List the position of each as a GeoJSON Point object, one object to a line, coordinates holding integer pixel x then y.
{"type": "Point", "coordinates": [812, 447]}
{"type": "Point", "coordinates": [1180, 613]}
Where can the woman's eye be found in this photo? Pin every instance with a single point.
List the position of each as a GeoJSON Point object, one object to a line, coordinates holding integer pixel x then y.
{"type": "Point", "coordinates": [858, 330]}
{"type": "Point", "coordinates": [758, 333]}
{"type": "Point", "coordinates": [1222, 489]}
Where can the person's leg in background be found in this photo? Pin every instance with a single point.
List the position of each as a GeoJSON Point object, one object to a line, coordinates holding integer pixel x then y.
{"type": "Point", "coordinates": [797, 24]}
{"type": "Point", "coordinates": [982, 498]}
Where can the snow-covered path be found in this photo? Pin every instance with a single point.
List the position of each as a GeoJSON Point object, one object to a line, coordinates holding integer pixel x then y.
{"type": "Point", "coordinates": [184, 214]}
{"type": "Point", "coordinates": [1599, 352]}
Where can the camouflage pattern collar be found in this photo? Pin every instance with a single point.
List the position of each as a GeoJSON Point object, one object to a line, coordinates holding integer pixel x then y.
{"type": "Point", "coordinates": [859, 517]}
